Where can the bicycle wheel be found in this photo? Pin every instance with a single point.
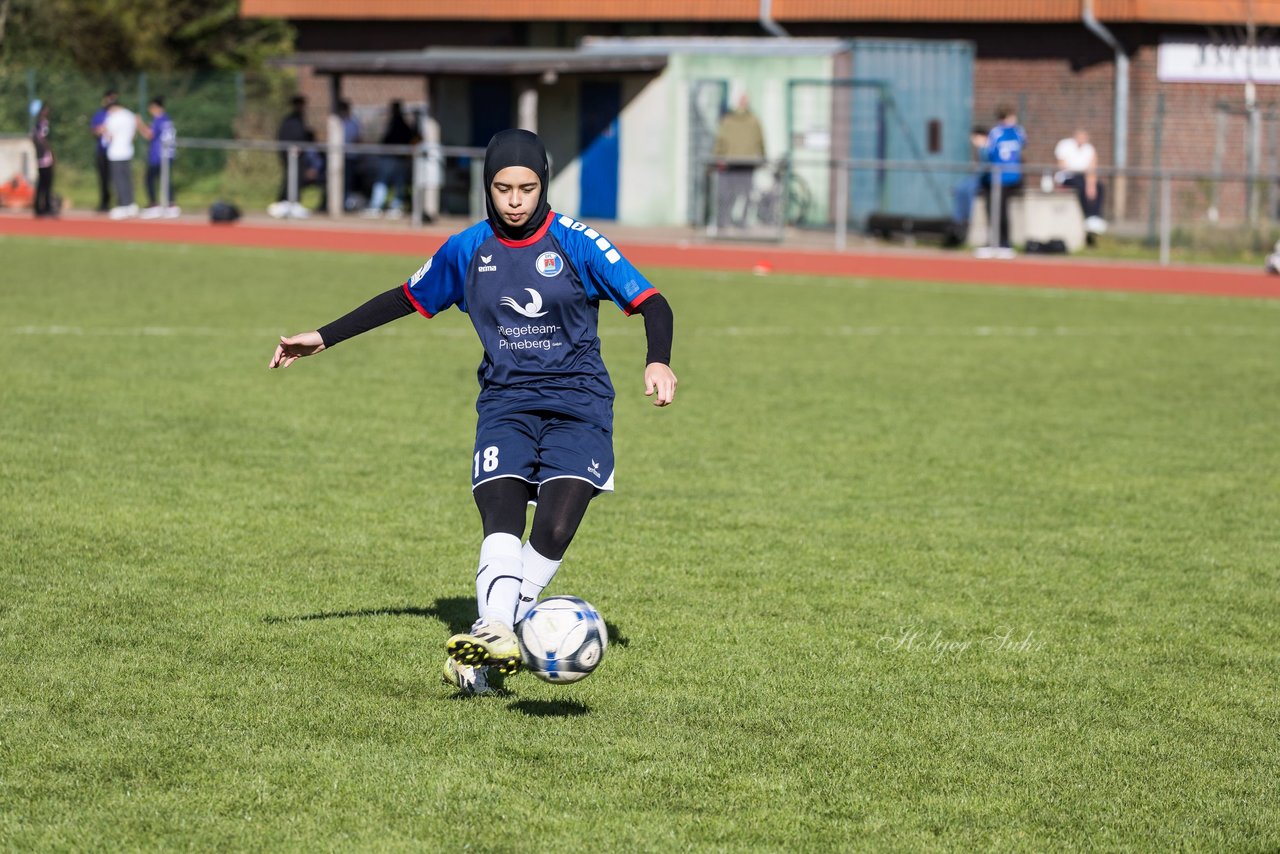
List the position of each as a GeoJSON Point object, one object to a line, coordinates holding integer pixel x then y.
{"type": "Point", "coordinates": [799, 199]}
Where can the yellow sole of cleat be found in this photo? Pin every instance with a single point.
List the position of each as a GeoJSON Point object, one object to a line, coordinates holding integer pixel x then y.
{"type": "Point", "coordinates": [465, 652]}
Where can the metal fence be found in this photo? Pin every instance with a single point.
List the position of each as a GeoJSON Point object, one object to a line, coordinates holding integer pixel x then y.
{"type": "Point", "coordinates": [802, 198]}
{"type": "Point", "coordinates": [438, 178]}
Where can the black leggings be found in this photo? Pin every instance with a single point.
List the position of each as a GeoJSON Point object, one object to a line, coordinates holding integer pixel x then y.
{"type": "Point", "coordinates": [44, 191]}
{"type": "Point", "coordinates": [153, 186]}
{"type": "Point", "coordinates": [561, 505]}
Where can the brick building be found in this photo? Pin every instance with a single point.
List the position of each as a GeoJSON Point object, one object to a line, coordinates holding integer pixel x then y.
{"type": "Point", "coordinates": [1162, 79]}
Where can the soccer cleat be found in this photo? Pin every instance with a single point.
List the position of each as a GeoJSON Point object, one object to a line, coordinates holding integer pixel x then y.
{"type": "Point", "coordinates": [487, 643]}
{"type": "Point", "coordinates": [472, 681]}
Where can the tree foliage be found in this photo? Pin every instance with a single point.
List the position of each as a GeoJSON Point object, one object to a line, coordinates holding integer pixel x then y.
{"type": "Point", "coordinates": [134, 35]}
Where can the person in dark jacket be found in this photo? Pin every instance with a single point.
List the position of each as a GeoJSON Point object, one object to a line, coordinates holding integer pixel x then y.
{"type": "Point", "coordinates": [393, 169]}
{"type": "Point", "coordinates": [44, 162]}
{"type": "Point", "coordinates": [100, 162]}
{"type": "Point", "coordinates": [293, 128]}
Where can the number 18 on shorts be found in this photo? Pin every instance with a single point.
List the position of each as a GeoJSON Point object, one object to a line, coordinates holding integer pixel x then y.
{"type": "Point", "coordinates": [537, 447]}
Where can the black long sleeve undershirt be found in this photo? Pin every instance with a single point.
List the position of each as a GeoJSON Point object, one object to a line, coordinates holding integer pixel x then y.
{"type": "Point", "coordinates": [384, 308]}
{"type": "Point", "coordinates": [391, 305]}
{"type": "Point", "coordinates": [659, 326]}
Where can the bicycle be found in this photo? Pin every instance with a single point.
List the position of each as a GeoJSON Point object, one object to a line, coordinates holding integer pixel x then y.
{"type": "Point", "coordinates": [786, 201]}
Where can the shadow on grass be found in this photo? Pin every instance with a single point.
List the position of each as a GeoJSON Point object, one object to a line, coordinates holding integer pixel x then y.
{"type": "Point", "coordinates": [616, 637]}
{"type": "Point", "coordinates": [456, 612]}
{"type": "Point", "coordinates": [550, 708]}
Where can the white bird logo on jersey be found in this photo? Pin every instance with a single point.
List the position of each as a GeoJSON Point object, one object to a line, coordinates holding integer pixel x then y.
{"type": "Point", "coordinates": [533, 309]}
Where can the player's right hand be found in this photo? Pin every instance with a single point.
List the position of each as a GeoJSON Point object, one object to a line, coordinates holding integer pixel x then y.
{"type": "Point", "coordinates": [293, 348]}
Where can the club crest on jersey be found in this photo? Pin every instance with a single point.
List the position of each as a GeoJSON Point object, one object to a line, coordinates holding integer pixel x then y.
{"type": "Point", "coordinates": [549, 264]}
{"type": "Point", "coordinates": [531, 309]}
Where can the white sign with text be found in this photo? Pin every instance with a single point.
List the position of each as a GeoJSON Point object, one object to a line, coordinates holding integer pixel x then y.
{"type": "Point", "coordinates": [1183, 61]}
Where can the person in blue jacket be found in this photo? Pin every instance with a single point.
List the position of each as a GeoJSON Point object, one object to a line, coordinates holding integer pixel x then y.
{"type": "Point", "coordinates": [531, 281]}
{"type": "Point", "coordinates": [1003, 154]}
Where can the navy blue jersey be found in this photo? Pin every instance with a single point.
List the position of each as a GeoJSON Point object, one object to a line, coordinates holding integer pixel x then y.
{"type": "Point", "coordinates": [535, 305]}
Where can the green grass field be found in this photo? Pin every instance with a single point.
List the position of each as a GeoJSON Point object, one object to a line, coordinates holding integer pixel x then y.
{"type": "Point", "coordinates": [908, 566]}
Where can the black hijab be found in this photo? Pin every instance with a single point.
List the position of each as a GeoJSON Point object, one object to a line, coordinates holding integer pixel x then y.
{"type": "Point", "coordinates": [516, 147]}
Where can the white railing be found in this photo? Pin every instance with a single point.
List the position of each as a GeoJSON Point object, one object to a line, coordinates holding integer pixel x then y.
{"type": "Point", "coordinates": [425, 184]}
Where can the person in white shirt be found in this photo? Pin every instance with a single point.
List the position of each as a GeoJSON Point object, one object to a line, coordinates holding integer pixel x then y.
{"type": "Point", "coordinates": [1078, 169]}
{"type": "Point", "coordinates": [119, 129]}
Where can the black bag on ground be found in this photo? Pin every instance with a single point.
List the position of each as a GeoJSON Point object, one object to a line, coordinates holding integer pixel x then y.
{"type": "Point", "coordinates": [223, 212]}
{"type": "Point", "coordinates": [1046, 247]}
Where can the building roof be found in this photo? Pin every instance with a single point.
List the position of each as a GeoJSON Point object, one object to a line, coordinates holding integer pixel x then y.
{"type": "Point", "coordinates": [594, 56]}
{"type": "Point", "coordinates": [1209, 12]}
{"type": "Point", "coordinates": [505, 62]}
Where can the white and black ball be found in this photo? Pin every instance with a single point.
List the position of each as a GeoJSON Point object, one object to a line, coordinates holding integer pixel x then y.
{"type": "Point", "coordinates": [562, 639]}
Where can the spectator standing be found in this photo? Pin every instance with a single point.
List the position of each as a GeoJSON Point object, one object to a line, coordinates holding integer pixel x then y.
{"type": "Point", "coordinates": [44, 162]}
{"type": "Point", "coordinates": [350, 162]}
{"type": "Point", "coordinates": [393, 169]}
{"type": "Point", "coordinates": [1078, 169]}
{"type": "Point", "coordinates": [100, 162]}
{"type": "Point", "coordinates": [293, 129]}
{"type": "Point", "coordinates": [162, 147]}
{"type": "Point", "coordinates": [1003, 153]}
{"type": "Point", "coordinates": [119, 129]}
{"type": "Point", "coordinates": [739, 149]}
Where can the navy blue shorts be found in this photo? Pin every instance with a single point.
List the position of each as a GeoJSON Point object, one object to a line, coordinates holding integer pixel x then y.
{"type": "Point", "coordinates": [540, 446]}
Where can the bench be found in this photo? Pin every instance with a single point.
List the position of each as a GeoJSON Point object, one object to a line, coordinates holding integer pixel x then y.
{"type": "Point", "coordinates": [1035, 215]}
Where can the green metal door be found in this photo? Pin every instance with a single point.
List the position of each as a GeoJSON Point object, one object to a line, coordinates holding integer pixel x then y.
{"type": "Point", "coordinates": [927, 114]}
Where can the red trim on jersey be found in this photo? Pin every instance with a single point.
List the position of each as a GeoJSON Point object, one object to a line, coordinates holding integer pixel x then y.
{"type": "Point", "coordinates": [531, 239]}
{"type": "Point", "coordinates": [644, 295]}
{"type": "Point", "coordinates": [416, 304]}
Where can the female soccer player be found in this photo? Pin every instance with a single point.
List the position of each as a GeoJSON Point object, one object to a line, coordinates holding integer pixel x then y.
{"type": "Point", "coordinates": [531, 281]}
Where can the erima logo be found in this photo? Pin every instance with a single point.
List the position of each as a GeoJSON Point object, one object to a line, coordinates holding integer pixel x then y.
{"type": "Point", "coordinates": [532, 309]}
{"type": "Point", "coordinates": [486, 266]}
{"type": "Point", "coordinates": [594, 468]}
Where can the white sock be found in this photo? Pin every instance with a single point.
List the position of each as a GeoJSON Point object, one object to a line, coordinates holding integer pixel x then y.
{"type": "Point", "coordinates": [498, 581]}
{"type": "Point", "coordinates": [537, 574]}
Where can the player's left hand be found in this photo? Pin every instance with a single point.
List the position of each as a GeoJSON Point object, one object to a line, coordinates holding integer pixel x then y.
{"type": "Point", "coordinates": [659, 379]}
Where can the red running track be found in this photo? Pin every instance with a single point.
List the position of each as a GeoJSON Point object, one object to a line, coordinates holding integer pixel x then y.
{"type": "Point", "coordinates": [1022, 272]}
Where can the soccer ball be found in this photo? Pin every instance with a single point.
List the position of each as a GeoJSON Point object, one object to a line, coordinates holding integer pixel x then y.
{"type": "Point", "coordinates": [562, 639]}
